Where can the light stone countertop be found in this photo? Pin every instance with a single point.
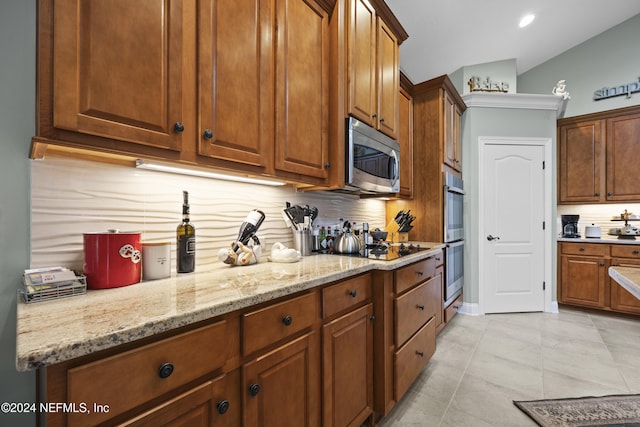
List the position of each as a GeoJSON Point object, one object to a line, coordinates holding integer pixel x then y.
{"type": "Point", "coordinates": [53, 331]}
{"type": "Point", "coordinates": [604, 239]}
{"type": "Point", "coordinates": [628, 278]}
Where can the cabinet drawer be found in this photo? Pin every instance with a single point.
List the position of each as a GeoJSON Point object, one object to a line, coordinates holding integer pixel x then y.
{"type": "Point", "coordinates": [191, 355]}
{"type": "Point", "coordinates": [411, 275]}
{"type": "Point", "coordinates": [413, 309]}
{"type": "Point", "coordinates": [625, 251]}
{"type": "Point", "coordinates": [412, 358]}
{"type": "Point", "coordinates": [345, 295]}
{"type": "Point", "coordinates": [275, 322]}
{"type": "Point", "coordinates": [599, 249]}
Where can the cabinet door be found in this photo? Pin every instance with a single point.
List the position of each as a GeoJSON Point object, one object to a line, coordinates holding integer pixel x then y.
{"type": "Point", "coordinates": [388, 74]}
{"type": "Point", "coordinates": [451, 126]}
{"type": "Point", "coordinates": [623, 174]}
{"type": "Point", "coordinates": [235, 82]}
{"type": "Point", "coordinates": [302, 88]}
{"type": "Point", "coordinates": [362, 61]}
{"type": "Point", "coordinates": [210, 404]}
{"type": "Point", "coordinates": [581, 162]}
{"type": "Point", "coordinates": [281, 388]}
{"type": "Point", "coordinates": [583, 281]}
{"type": "Point", "coordinates": [118, 70]}
{"type": "Point", "coordinates": [621, 299]}
{"type": "Point", "coordinates": [405, 139]}
{"type": "Point", "coordinates": [348, 368]}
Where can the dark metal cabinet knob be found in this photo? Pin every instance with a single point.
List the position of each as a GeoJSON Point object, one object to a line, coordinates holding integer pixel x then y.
{"type": "Point", "coordinates": [635, 252]}
{"type": "Point", "coordinates": [597, 194]}
{"type": "Point", "coordinates": [420, 307]}
{"type": "Point", "coordinates": [165, 370]}
{"type": "Point", "coordinates": [223, 406]}
{"type": "Point", "coordinates": [374, 115]}
{"type": "Point", "coordinates": [287, 320]}
{"type": "Point", "coordinates": [609, 193]}
{"type": "Point", "coordinates": [208, 134]}
{"type": "Point", "coordinates": [254, 389]}
{"type": "Point", "coordinates": [419, 273]}
{"type": "Point", "coordinates": [178, 127]}
{"type": "Point", "coordinates": [582, 249]}
{"type": "Point", "coordinates": [381, 119]}
{"type": "Point", "coordinates": [420, 353]}
{"type": "Point", "coordinates": [602, 264]}
{"type": "Point", "coordinates": [353, 294]}
{"type": "Point", "coordinates": [373, 318]}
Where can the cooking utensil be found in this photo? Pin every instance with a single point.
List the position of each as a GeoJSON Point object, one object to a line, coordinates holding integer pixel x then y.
{"type": "Point", "coordinates": [112, 259]}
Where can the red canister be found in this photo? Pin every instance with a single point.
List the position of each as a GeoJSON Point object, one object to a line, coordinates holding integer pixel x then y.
{"type": "Point", "coordinates": [112, 259]}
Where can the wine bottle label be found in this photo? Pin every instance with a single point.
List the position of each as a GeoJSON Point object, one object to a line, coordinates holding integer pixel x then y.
{"type": "Point", "coordinates": [191, 245]}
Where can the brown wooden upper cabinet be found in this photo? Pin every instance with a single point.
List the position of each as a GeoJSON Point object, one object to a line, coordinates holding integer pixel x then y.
{"type": "Point", "coordinates": [118, 69]}
{"type": "Point", "coordinates": [235, 84]}
{"type": "Point", "coordinates": [373, 64]}
{"type": "Point", "coordinates": [405, 138]}
{"type": "Point", "coordinates": [452, 141]}
{"type": "Point", "coordinates": [596, 155]}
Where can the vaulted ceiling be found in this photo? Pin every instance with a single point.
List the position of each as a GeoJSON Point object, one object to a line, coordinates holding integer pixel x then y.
{"type": "Point", "coordinates": [445, 35]}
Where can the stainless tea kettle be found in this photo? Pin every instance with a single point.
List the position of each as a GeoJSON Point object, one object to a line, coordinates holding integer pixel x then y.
{"type": "Point", "coordinates": [347, 242]}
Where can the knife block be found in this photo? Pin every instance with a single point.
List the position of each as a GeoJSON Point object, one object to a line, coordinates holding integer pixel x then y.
{"type": "Point", "coordinates": [394, 235]}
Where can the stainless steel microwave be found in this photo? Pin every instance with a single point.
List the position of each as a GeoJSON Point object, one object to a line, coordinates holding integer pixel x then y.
{"type": "Point", "coordinates": [372, 160]}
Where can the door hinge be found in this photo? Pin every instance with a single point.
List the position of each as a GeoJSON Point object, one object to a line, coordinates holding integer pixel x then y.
{"type": "Point", "coordinates": [544, 225]}
{"type": "Point", "coordinates": [543, 164]}
{"type": "Point", "coordinates": [544, 286]}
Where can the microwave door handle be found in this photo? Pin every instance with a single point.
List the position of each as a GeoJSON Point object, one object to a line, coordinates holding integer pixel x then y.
{"type": "Point", "coordinates": [393, 167]}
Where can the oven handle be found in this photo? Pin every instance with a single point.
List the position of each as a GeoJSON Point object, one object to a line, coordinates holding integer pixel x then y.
{"type": "Point", "coordinates": [455, 244]}
{"type": "Point", "coordinates": [449, 189]}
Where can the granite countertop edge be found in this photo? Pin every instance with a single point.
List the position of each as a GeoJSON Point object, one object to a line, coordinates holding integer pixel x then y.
{"type": "Point", "coordinates": [627, 277]}
{"type": "Point", "coordinates": [59, 330]}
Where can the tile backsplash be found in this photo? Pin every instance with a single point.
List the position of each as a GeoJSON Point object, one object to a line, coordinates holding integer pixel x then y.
{"type": "Point", "coordinates": [599, 214]}
{"type": "Point", "coordinates": [70, 197]}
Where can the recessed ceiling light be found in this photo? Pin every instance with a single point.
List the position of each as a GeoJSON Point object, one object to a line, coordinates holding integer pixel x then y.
{"type": "Point", "coordinates": [526, 20]}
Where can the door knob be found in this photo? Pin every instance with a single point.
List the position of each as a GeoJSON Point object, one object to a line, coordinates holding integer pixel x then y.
{"type": "Point", "coordinates": [490, 238]}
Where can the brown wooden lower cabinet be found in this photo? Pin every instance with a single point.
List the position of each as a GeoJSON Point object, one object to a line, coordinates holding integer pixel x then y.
{"type": "Point", "coordinates": [315, 357]}
{"type": "Point", "coordinates": [281, 388]}
{"type": "Point", "coordinates": [408, 304]}
{"type": "Point", "coordinates": [583, 276]}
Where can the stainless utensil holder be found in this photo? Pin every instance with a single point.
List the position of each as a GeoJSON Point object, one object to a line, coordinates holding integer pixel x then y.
{"type": "Point", "coordinates": [302, 241]}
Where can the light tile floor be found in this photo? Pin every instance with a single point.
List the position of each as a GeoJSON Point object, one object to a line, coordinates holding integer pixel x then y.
{"type": "Point", "coordinates": [483, 363]}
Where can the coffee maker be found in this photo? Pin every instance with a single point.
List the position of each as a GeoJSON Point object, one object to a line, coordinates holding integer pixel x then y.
{"type": "Point", "coordinates": [570, 226]}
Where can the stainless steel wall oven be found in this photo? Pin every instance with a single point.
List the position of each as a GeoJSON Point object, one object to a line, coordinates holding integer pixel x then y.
{"type": "Point", "coordinates": [453, 236]}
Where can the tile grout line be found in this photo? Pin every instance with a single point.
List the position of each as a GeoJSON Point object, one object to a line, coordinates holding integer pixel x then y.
{"type": "Point", "coordinates": [464, 372]}
{"type": "Point", "coordinates": [620, 373]}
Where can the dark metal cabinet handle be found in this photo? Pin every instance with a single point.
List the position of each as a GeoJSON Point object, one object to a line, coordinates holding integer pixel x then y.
{"type": "Point", "coordinates": [223, 406]}
{"type": "Point", "coordinates": [582, 249]}
{"type": "Point", "coordinates": [420, 273]}
{"type": "Point", "coordinates": [287, 320]}
{"type": "Point", "coordinates": [207, 134]}
{"type": "Point", "coordinates": [609, 193]}
{"type": "Point", "coordinates": [254, 389]}
{"type": "Point", "coordinates": [165, 370]}
{"type": "Point", "coordinates": [353, 294]}
{"type": "Point", "coordinates": [420, 353]}
{"type": "Point", "coordinates": [420, 307]}
{"type": "Point", "coordinates": [178, 127]}
{"type": "Point", "coordinates": [382, 120]}
{"type": "Point", "coordinates": [602, 264]}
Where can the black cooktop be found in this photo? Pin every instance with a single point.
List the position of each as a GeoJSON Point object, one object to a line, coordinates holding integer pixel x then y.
{"type": "Point", "coordinates": [389, 252]}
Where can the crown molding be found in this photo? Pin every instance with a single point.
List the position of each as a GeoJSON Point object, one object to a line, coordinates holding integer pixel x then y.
{"type": "Point", "coordinates": [528, 101]}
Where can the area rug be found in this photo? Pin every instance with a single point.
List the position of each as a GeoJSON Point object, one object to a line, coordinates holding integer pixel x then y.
{"type": "Point", "coordinates": [613, 410]}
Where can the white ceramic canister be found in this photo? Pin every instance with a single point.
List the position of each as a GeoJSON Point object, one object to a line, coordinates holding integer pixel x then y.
{"type": "Point", "coordinates": [156, 260]}
{"type": "Point", "coordinates": [592, 231]}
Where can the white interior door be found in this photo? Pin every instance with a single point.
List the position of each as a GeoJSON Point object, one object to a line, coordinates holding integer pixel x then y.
{"type": "Point", "coordinates": [514, 213]}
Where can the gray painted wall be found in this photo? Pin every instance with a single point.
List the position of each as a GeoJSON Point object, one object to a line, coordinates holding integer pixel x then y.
{"type": "Point", "coordinates": [17, 126]}
{"type": "Point", "coordinates": [606, 60]}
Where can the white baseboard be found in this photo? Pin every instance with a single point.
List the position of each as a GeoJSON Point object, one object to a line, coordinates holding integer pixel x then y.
{"type": "Point", "coordinates": [470, 308]}
{"type": "Point", "coordinates": [554, 307]}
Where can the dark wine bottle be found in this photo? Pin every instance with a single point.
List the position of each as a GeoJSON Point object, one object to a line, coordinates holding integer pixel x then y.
{"type": "Point", "coordinates": [248, 228]}
{"type": "Point", "coordinates": [186, 240]}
